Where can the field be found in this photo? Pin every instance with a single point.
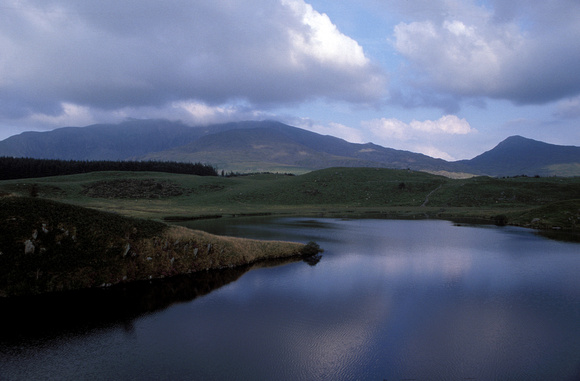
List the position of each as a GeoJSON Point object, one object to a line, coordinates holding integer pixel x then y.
{"type": "Point", "coordinates": [526, 201]}
{"type": "Point", "coordinates": [102, 228]}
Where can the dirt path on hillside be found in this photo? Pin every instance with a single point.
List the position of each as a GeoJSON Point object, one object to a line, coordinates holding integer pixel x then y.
{"type": "Point", "coordinates": [430, 193]}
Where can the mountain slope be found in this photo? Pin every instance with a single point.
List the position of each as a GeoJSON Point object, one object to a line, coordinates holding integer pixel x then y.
{"type": "Point", "coordinates": [255, 146]}
{"type": "Point", "coordinates": [255, 150]}
{"type": "Point", "coordinates": [273, 144]}
{"type": "Point", "coordinates": [517, 155]}
{"type": "Point", "coordinates": [100, 141]}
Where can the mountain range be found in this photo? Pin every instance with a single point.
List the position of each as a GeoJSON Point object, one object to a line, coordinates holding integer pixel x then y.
{"type": "Point", "coordinates": [260, 146]}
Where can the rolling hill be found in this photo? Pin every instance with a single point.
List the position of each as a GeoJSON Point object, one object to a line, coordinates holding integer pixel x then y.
{"type": "Point", "coordinates": [261, 146]}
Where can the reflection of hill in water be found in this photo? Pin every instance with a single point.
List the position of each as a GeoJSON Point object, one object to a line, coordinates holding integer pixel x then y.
{"type": "Point", "coordinates": [70, 314]}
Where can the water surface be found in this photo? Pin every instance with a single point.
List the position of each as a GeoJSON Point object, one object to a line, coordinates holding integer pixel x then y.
{"type": "Point", "coordinates": [390, 299]}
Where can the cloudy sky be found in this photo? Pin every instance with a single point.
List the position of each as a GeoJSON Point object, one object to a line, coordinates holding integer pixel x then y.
{"type": "Point", "coordinates": [449, 78]}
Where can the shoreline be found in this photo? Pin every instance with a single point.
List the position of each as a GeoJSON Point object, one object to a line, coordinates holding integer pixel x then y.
{"type": "Point", "coordinates": [468, 217]}
{"type": "Point", "coordinates": [48, 246]}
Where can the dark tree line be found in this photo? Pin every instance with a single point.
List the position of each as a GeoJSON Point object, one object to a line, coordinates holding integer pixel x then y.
{"type": "Point", "coordinates": [19, 168]}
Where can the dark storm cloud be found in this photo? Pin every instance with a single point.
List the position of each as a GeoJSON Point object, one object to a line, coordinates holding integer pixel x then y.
{"type": "Point", "coordinates": [114, 54]}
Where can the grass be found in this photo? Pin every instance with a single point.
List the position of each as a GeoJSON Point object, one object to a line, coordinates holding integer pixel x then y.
{"type": "Point", "coordinates": [48, 246]}
{"type": "Point", "coordinates": [333, 191]}
{"type": "Point", "coordinates": [564, 214]}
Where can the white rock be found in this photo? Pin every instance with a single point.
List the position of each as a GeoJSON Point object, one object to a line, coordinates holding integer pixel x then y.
{"type": "Point", "coordinates": [29, 247]}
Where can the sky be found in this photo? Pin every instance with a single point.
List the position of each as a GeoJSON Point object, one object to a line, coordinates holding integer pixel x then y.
{"type": "Point", "coordinates": [447, 78]}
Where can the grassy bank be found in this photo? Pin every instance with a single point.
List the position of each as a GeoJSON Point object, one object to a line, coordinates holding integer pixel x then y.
{"type": "Point", "coordinates": [536, 202]}
{"type": "Point", "coordinates": [49, 246]}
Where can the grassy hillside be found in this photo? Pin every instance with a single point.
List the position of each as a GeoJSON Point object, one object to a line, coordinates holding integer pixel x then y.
{"type": "Point", "coordinates": [334, 191]}
{"type": "Point", "coordinates": [339, 187]}
{"type": "Point", "coordinates": [50, 246]}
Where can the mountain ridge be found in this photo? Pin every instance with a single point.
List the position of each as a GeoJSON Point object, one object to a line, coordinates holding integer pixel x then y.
{"type": "Point", "coordinates": [280, 144]}
{"type": "Point", "coordinates": [253, 146]}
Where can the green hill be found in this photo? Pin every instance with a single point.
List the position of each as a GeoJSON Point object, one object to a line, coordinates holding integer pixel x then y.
{"type": "Point", "coordinates": [332, 191]}
{"type": "Point", "coordinates": [48, 246]}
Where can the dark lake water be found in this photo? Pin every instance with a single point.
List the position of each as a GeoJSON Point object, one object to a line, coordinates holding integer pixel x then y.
{"type": "Point", "coordinates": [389, 300]}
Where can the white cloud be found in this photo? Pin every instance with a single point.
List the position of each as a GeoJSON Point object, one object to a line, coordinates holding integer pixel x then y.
{"type": "Point", "coordinates": [324, 42]}
{"type": "Point", "coordinates": [197, 113]}
{"type": "Point", "coordinates": [447, 124]}
{"type": "Point", "coordinates": [416, 135]}
{"type": "Point", "coordinates": [433, 152]}
{"type": "Point", "coordinates": [520, 51]}
{"type": "Point", "coordinates": [72, 115]}
{"type": "Point", "coordinates": [388, 128]}
{"type": "Point", "coordinates": [193, 113]}
{"type": "Point", "coordinates": [201, 113]}
{"type": "Point", "coordinates": [396, 129]}
{"type": "Point", "coordinates": [338, 130]}
{"type": "Point", "coordinates": [456, 57]}
{"type": "Point", "coordinates": [115, 56]}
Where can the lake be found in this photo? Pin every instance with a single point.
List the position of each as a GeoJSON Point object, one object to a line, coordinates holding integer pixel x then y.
{"type": "Point", "coordinates": [389, 300]}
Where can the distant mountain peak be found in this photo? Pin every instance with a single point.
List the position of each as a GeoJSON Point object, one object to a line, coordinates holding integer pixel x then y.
{"type": "Point", "coordinates": [518, 155]}
{"type": "Point", "coordinates": [518, 139]}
